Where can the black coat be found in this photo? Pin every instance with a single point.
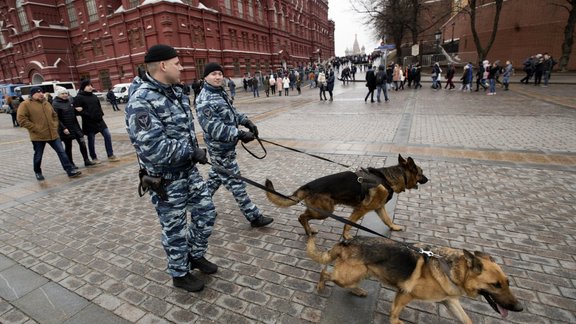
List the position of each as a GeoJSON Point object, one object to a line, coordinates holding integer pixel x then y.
{"type": "Point", "coordinates": [67, 118]}
{"type": "Point", "coordinates": [92, 114]}
{"type": "Point", "coordinates": [371, 79]}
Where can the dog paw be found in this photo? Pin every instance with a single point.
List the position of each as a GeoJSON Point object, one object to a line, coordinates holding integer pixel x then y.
{"type": "Point", "coordinates": [359, 292]}
{"type": "Point", "coordinates": [396, 228]}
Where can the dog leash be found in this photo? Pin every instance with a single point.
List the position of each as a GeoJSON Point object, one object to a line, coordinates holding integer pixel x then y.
{"type": "Point", "coordinates": [299, 151]}
{"type": "Point", "coordinates": [426, 253]}
{"type": "Point", "coordinates": [323, 212]}
{"type": "Point", "coordinates": [254, 155]}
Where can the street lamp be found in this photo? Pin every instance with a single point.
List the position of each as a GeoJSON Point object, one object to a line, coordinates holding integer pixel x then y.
{"type": "Point", "coordinates": [437, 36]}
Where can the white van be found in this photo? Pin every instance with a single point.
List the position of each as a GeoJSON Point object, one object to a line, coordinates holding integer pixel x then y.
{"type": "Point", "coordinates": [121, 92]}
{"type": "Point", "coordinates": [48, 88]}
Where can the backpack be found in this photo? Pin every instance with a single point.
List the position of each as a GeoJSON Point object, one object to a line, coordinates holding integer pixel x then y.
{"type": "Point", "coordinates": [379, 78]}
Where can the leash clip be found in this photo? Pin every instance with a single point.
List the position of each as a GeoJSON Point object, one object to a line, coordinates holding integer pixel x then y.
{"type": "Point", "coordinates": [360, 179]}
{"type": "Point", "coordinates": [427, 254]}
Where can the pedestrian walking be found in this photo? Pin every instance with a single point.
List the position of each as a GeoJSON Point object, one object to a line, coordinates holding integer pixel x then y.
{"type": "Point", "coordinates": [330, 85]}
{"type": "Point", "coordinates": [322, 85]}
{"type": "Point", "coordinates": [506, 75]}
{"type": "Point", "coordinates": [547, 67]}
{"type": "Point", "coordinates": [93, 121]}
{"type": "Point", "coordinates": [160, 125]}
{"type": "Point", "coordinates": [112, 100]}
{"type": "Point", "coordinates": [381, 85]}
{"type": "Point", "coordinates": [220, 120]}
{"type": "Point", "coordinates": [231, 87]}
{"type": "Point", "coordinates": [451, 71]}
{"type": "Point", "coordinates": [69, 128]}
{"type": "Point", "coordinates": [286, 84]}
{"type": "Point", "coordinates": [37, 115]}
{"type": "Point", "coordinates": [370, 83]}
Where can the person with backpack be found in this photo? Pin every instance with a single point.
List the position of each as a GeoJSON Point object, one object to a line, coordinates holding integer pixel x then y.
{"type": "Point", "coordinates": [381, 83]}
{"type": "Point", "coordinates": [528, 69]}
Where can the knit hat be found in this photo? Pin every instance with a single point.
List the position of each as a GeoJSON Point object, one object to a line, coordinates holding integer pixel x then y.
{"type": "Point", "coordinates": [160, 52]}
{"type": "Point", "coordinates": [60, 90]}
{"type": "Point", "coordinates": [34, 90]}
{"type": "Point", "coordinates": [211, 67]}
{"type": "Point", "coordinates": [84, 83]}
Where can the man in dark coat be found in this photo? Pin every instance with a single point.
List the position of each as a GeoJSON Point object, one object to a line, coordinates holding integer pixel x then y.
{"type": "Point", "coordinates": [93, 121]}
{"type": "Point", "coordinates": [112, 99]}
{"type": "Point", "coordinates": [69, 128]}
{"type": "Point", "coordinates": [370, 83]}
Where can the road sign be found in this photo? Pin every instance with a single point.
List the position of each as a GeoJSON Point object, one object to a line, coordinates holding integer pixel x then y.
{"type": "Point", "coordinates": [386, 47]}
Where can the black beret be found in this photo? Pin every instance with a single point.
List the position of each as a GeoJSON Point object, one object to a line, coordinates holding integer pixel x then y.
{"type": "Point", "coordinates": [211, 67]}
{"type": "Point", "coordinates": [160, 52]}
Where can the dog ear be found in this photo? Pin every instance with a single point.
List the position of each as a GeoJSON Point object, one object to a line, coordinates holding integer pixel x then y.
{"type": "Point", "coordinates": [483, 255]}
{"type": "Point", "coordinates": [473, 263]}
{"type": "Point", "coordinates": [401, 159]}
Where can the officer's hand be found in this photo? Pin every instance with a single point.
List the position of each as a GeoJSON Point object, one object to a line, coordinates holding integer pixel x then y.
{"type": "Point", "coordinates": [246, 137]}
{"type": "Point", "coordinates": [250, 125]}
{"type": "Point", "coordinates": [199, 156]}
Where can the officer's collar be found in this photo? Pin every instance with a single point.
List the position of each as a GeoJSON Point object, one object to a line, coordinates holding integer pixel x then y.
{"type": "Point", "coordinates": [212, 88]}
{"type": "Point", "coordinates": [169, 89]}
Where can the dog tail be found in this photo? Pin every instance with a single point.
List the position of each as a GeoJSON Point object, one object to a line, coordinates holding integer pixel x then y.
{"type": "Point", "coordinates": [325, 257]}
{"type": "Point", "coordinates": [296, 197]}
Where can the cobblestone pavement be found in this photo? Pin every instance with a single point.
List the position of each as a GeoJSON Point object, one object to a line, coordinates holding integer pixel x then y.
{"type": "Point", "coordinates": [502, 173]}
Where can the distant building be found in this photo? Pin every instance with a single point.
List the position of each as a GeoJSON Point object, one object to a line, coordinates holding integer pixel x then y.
{"type": "Point", "coordinates": [356, 50]}
{"type": "Point", "coordinates": [105, 40]}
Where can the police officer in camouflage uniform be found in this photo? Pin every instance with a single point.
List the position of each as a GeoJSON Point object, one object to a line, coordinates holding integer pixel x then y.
{"type": "Point", "coordinates": [160, 125]}
{"type": "Point", "coordinates": [220, 120]}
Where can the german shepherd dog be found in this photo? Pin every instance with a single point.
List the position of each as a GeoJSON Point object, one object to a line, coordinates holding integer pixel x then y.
{"type": "Point", "coordinates": [444, 279]}
{"type": "Point", "coordinates": [346, 188]}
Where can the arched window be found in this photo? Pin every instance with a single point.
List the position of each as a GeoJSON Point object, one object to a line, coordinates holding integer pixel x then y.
{"type": "Point", "coordinates": [22, 15]}
{"type": "Point", "coordinates": [92, 11]}
{"type": "Point", "coordinates": [71, 13]}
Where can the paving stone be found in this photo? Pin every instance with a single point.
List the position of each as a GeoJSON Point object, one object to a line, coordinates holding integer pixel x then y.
{"type": "Point", "coordinates": [51, 303]}
{"type": "Point", "coordinates": [17, 281]}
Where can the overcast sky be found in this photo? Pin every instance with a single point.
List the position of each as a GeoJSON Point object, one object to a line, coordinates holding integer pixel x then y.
{"type": "Point", "coordinates": [348, 23]}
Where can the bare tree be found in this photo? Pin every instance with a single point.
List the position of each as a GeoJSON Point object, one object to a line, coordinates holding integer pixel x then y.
{"type": "Point", "coordinates": [471, 10]}
{"type": "Point", "coordinates": [570, 6]}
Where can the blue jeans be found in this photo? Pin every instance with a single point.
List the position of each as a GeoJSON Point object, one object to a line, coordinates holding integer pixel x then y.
{"type": "Point", "coordinates": [57, 147]}
{"type": "Point", "coordinates": [546, 75]}
{"type": "Point", "coordinates": [383, 88]}
{"type": "Point", "coordinates": [492, 85]}
{"type": "Point", "coordinates": [107, 143]}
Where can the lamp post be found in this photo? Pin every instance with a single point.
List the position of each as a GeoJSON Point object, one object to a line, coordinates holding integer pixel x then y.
{"type": "Point", "coordinates": [437, 36]}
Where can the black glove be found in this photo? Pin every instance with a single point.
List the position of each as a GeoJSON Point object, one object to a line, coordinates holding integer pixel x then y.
{"type": "Point", "coordinates": [250, 125]}
{"type": "Point", "coordinates": [246, 137]}
{"type": "Point", "coordinates": [199, 155]}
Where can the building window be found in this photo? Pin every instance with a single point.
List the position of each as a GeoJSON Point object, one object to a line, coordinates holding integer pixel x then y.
{"type": "Point", "coordinates": [104, 76]}
{"type": "Point", "coordinates": [236, 67]}
{"type": "Point", "coordinates": [22, 15]}
{"type": "Point", "coordinates": [255, 41]}
{"type": "Point", "coordinates": [133, 3]}
{"type": "Point", "coordinates": [71, 13]}
{"type": "Point", "coordinates": [250, 10]}
{"type": "Point", "coordinates": [97, 47]}
{"type": "Point", "coordinates": [200, 65]}
{"type": "Point", "coordinates": [92, 11]}
{"type": "Point", "coordinates": [241, 8]}
{"type": "Point", "coordinates": [248, 66]}
{"type": "Point", "coordinates": [135, 38]}
{"type": "Point", "coordinates": [228, 7]}
{"type": "Point", "coordinates": [260, 14]}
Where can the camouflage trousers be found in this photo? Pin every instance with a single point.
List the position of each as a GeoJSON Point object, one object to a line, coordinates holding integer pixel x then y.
{"type": "Point", "coordinates": [186, 191]}
{"type": "Point", "coordinates": [235, 186]}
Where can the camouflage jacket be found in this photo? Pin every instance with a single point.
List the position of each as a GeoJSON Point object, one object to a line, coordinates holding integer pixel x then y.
{"type": "Point", "coordinates": [159, 122]}
{"type": "Point", "coordinates": [218, 118]}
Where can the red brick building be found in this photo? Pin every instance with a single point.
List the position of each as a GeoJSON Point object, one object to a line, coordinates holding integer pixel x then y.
{"type": "Point", "coordinates": [106, 40]}
{"type": "Point", "coordinates": [526, 27]}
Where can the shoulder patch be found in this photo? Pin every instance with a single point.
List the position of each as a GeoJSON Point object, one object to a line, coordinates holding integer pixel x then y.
{"type": "Point", "coordinates": [143, 120]}
{"type": "Point", "coordinates": [207, 112]}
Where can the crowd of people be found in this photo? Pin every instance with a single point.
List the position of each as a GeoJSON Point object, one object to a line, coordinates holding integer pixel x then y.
{"type": "Point", "coordinates": [53, 121]}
